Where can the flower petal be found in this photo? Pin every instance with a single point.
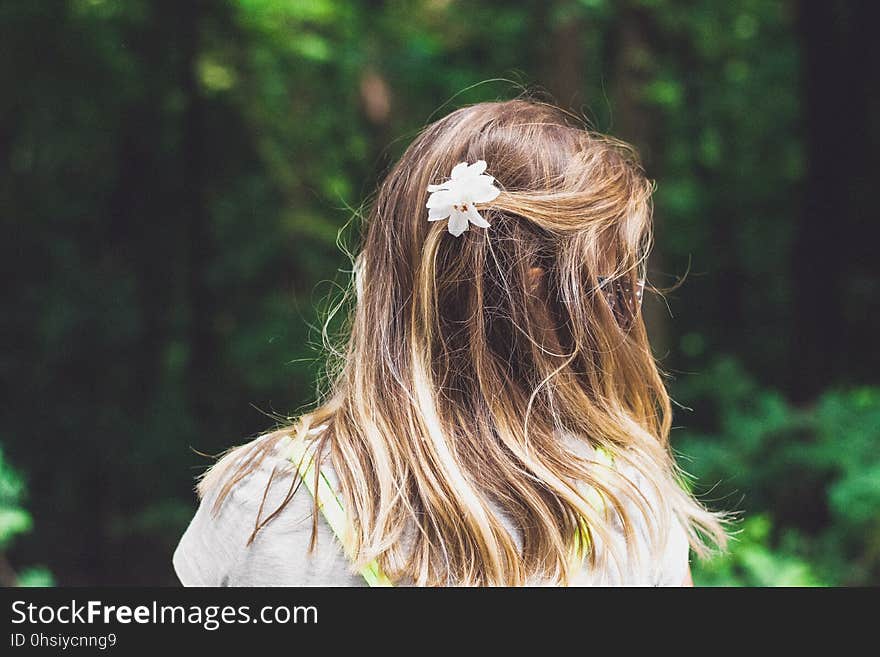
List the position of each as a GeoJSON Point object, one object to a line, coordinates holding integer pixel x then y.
{"type": "Point", "coordinates": [458, 169]}
{"type": "Point", "coordinates": [437, 188]}
{"type": "Point", "coordinates": [436, 214]}
{"type": "Point", "coordinates": [444, 197]}
{"type": "Point", "coordinates": [475, 217]}
{"type": "Point", "coordinates": [458, 223]}
{"type": "Point", "coordinates": [477, 168]}
{"type": "Point", "coordinates": [484, 194]}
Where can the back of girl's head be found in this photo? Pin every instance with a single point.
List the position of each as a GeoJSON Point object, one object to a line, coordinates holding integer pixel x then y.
{"type": "Point", "coordinates": [503, 308]}
{"type": "Point", "coordinates": [482, 371]}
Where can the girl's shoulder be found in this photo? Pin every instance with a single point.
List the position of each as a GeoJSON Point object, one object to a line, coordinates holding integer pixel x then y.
{"type": "Point", "coordinates": [253, 526]}
{"type": "Point", "coordinates": [657, 547]}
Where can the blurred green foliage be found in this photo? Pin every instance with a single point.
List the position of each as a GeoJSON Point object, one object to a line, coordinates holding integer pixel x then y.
{"type": "Point", "coordinates": [806, 478]}
{"type": "Point", "coordinates": [174, 175]}
{"type": "Point", "coordinates": [754, 561]}
{"type": "Point", "coordinates": [14, 522]}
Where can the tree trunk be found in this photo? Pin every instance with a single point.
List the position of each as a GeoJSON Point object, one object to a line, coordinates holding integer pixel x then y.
{"type": "Point", "coordinates": [635, 122]}
{"type": "Point", "coordinates": [566, 62]}
{"type": "Point", "coordinates": [833, 253]}
{"type": "Point", "coordinates": [201, 336]}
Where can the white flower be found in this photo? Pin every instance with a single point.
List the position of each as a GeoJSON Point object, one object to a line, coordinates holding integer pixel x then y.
{"type": "Point", "coordinates": [457, 197]}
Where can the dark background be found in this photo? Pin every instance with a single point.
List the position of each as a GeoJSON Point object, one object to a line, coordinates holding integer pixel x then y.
{"type": "Point", "coordinates": [174, 174]}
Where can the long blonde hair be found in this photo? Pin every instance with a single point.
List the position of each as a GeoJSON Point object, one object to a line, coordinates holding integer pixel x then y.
{"type": "Point", "coordinates": [473, 363]}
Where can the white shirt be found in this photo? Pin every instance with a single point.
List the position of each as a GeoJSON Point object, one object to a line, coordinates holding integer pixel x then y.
{"type": "Point", "coordinates": [214, 550]}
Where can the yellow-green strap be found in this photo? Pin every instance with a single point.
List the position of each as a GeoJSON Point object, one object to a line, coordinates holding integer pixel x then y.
{"type": "Point", "coordinates": [581, 536]}
{"type": "Point", "coordinates": [331, 507]}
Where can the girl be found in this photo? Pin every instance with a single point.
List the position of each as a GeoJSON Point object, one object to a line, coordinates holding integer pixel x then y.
{"type": "Point", "coordinates": [496, 417]}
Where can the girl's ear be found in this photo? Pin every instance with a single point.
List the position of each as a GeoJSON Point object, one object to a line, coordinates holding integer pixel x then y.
{"type": "Point", "coordinates": [536, 277]}
{"type": "Point", "coordinates": [541, 323]}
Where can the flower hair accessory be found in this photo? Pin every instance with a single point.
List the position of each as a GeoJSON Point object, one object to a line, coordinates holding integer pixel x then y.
{"type": "Point", "coordinates": [457, 197]}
